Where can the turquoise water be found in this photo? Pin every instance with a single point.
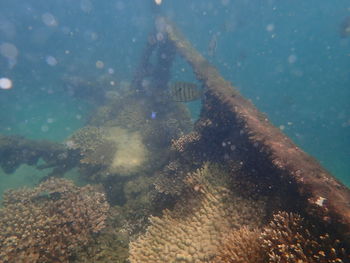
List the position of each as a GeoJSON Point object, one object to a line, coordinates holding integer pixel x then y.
{"type": "Point", "coordinates": [286, 56]}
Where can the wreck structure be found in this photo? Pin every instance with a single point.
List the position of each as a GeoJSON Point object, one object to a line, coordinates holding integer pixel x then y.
{"type": "Point", "coordinates": [203, 192]}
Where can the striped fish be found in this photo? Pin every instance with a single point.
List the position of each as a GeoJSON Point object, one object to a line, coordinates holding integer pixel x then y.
{"type": "Point", "coordinates": [184, 91]}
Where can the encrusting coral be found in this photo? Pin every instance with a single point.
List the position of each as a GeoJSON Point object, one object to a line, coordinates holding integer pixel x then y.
{"type": "Point", "coordinates": [194, 230]}
{"type": "Point", "coordinates": [48, 223]}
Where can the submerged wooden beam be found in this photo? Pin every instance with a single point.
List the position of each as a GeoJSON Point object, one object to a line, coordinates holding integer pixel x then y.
{"type": "Point", "coordinates": [325, 197]}
{"type": "Point", "coordinates": [16, 150]}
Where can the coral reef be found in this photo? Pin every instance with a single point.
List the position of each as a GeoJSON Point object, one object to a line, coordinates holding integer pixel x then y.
{"type": "Point", "coordinates": [220, 219]}
{"type": "Point", "coordinates": [287, 238]}
{"type": "Point", "coordinates": [122, 224]}
{"type": "Point", "coordinates": [180, 143]}
{"type": "Point", "coordinates": [111, 245]}
{"type": "Point", "coordinates": [194, 230]}
{"type": "Point", "coordinates": [290, 238]}
{"type": "Point", "coordinates": [93, 146]}
{"type": "Point", "coordinates": [112, 150]}
{"type": "Point", "coordinates": [48, 223]}
{"type": "Point", "coordinates": [241, 246]}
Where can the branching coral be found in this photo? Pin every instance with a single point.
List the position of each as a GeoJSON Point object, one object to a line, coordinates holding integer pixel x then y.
{"type": "Point", "coordinates": [241, 246]}
{"type": "Point", "coordinates": [180, 143]}
{"type": "Point", "coordinates": [48, 223]}
{"type": "Point", "coordinates": [93, 145]}
{"type": "Point", "coordinates": [290, 238]}
{"type": "Point", "coordinates": [194, 230]}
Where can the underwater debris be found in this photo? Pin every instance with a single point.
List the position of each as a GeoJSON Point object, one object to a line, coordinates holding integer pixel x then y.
{"type": "Point", "coordinates": [16, 150]}
{"type": "Point", "coordinates": [263, 146]}
{"type": "Point", "coordinates": [90, 89]}
{"type": "Point", "coordinates": [35, 229]}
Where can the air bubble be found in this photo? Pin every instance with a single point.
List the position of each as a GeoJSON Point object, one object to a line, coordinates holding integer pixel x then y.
{"type": "Point", "coordinates": [49, 20]}
{"type": "Point", "coordinates": [5, 83]}
{"type": "Point", "coordinates": [52, 61]}
{"type": "Point", "coordinates": [99, 64]}
{"type": "Point", "coordinates": [270, 27]}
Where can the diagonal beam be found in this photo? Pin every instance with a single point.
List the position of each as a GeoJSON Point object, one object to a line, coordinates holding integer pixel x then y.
{"type": "Point", "coordinates": [326, 197]}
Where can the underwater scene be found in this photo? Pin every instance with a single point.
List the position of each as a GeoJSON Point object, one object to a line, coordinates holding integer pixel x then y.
{"type": "Point", "coordinates": [151, 131]}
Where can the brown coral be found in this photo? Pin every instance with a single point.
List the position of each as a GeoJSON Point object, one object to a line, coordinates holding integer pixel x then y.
{"type": "Point", "coordinates": [180, 143]}
{"type": "Point", "coordinates": [93, 145]}
{"type": "Point", "coordinates": [290, 238]}
{"type": "Point", "coordinates": [194, 230]}
{"type": "Point", "coordinates": [48, 223]}
{"type": "Point", "coordinates": [241, 246]}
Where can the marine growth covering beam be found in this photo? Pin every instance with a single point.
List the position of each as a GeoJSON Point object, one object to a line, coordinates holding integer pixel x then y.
{"type": "Point", "coordinates": [325, 197]}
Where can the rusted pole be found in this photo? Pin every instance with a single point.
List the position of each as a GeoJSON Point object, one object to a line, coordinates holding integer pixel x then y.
{"type": "Point", "coordinates": [145, 67]}
{"type": "Point", "coordinates": [325, 197]}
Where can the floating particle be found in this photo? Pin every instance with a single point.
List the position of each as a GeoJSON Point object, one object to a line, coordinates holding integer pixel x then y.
{"type": "Point", "coordinates": [90, 35]}
{"type": "Point", "coordinates": [292, 59]}
{"type": "Point", "coordinates": [52, 61]}
{"type": "Point", "coordinates": [282, 127]}
{"type": "Point", "coordinates": [8, 50]}
{"type": "Point", "coordinates": [99, 64]}
{"type": "Point", "coordinates": [111, 71]}
{"type": "Point", "coordinates": [7, 28]}
{"type": "Point", "coordinates": [5, 83]}
{"type": "Point", "coordinates": [78, 116]}
{"type": "Point", "coordinates": [159, 36]}
{"type": "Point", "coordinates": [44, 128]}
{"type": "Point", "coordinates": [70, 144]}
{"type": "Point", "coordinates": [153, 115]}
{"type": "Point", "coordinates": [120, 5]}
{"type": "Point", "coordinates": [50, 120]}
{"type": "Point", "coordinates": [270, 27]}
{"type": "Point", "coordinates": [86, 6]}
{"type": "Point", "coordinates": [49, 20]}
{"type": "Point", "coordinates": [65, 30]}
{"type": "Point", "coordinates": [225, 2]}
{"type": "Point", "coordinates": [158, 2]}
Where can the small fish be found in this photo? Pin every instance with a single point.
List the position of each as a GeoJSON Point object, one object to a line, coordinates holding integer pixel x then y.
{"type": "Point", "coordinates": [213, 45]}
{"type": "Point", "coordinates": [184, 91]}
{"type": "Point", "coordinates": [153, 115]}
